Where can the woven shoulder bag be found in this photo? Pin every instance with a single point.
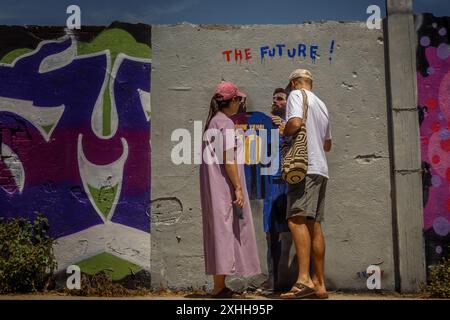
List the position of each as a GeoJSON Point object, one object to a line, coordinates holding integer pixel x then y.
{"type": "Point", "coordinates": [294, 153]}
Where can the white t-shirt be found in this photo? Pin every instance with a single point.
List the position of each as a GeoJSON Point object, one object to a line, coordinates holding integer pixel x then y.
{"type": "Point", "coordinates": [317, 128]}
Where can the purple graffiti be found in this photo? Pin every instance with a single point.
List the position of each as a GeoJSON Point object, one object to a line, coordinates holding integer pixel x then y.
{"type": "Point", "coordinates": [49, 155]}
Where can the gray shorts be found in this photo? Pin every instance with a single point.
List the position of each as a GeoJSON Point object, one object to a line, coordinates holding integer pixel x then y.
{"type": "Point", "coordinates": [307, 198]}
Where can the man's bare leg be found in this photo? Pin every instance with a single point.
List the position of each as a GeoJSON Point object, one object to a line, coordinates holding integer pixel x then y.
{"type": "Point", "coordinates": [318, 256]}
{"type": "Point", "coordinates": [302, 242]}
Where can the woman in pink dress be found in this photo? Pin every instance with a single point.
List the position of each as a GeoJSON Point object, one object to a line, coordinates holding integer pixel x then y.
{"type": "Point", "coordinates": [228, 232]}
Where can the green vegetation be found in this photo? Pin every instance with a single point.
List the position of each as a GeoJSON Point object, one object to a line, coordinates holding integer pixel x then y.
{"type": "Point", "coordinates": [439, 280]}
{"type": "Point", "coordinates": [26, 255]}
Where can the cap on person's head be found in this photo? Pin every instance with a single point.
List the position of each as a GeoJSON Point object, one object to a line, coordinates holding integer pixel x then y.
{"type": "Point", "coordinates": [300, 73]}
{"type": "Point", "coordinates": [227, 91]}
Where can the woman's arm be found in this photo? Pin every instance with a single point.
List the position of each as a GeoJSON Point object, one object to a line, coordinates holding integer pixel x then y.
{"type": "Point", "coordinates": [231, 169]}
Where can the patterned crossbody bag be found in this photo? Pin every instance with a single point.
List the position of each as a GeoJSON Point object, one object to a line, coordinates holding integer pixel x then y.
{"type": "Point", "coordinates": [295, 152]}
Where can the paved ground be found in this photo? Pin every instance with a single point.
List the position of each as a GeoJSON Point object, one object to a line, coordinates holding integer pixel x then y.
{"type": "Point", "coordinates": [333, 296]}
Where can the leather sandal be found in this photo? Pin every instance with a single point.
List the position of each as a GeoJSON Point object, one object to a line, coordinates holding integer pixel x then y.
{"type": "Point", "coordinates": [226, 293]}
{"type": "Point", "coordinates": [298, 291]}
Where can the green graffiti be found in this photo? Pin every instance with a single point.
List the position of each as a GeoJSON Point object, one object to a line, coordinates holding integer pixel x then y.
{"type": "Point", "coordinates": [114, 266]}
{"type": "Point", "coordinates": [13, 55]}
{"type": "Point", "coordinates": [47, 129]}
{"type": "Point", "coordinates": [116, 41]}
{"type": "Point", "coordinates": [104, 198]}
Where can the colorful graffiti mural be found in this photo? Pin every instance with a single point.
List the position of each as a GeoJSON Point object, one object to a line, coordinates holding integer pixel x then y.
{"type": "Point", "coordinates": [433, 65]}
{"type": "Point", "coordinates": [75, 145]}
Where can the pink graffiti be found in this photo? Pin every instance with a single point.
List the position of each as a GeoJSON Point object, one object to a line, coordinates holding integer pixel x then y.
{"type": "Point", "coordinates": [434, 94]}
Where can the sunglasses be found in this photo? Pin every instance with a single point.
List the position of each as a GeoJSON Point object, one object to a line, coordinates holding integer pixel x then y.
{"type": "Point", "coordinates": [240, 99]}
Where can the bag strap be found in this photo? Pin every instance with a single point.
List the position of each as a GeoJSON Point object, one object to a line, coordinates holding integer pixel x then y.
{"type": "Point", "coordinates": [305, 105]}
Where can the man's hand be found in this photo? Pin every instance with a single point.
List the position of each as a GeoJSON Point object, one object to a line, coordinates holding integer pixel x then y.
{"type": "Point", "coordinates": [280, 123]}
{"type": "Point", "coordinates": [281, 129]}
{"type": "Point", "coordinates": [277, 120]}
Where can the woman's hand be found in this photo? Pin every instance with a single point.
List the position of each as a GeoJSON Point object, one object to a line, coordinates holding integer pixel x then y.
{"type": "Point", "coordinates": [239, 197]}
{"type": "Point", "coordinates": [233, 174]}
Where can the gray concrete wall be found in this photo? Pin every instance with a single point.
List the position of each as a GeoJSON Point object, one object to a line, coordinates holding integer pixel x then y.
{"type": "Point", "coordinates": [188, 63]}
{"type": "Point", "coordinates": [408, 175]}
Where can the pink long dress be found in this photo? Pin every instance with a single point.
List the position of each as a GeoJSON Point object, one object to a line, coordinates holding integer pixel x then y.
{"type": "Point", "coordinates": [229, 242]}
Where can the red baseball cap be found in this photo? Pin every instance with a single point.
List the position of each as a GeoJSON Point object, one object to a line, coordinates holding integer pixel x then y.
{"type": "Point", "coordinates": [228, 91]}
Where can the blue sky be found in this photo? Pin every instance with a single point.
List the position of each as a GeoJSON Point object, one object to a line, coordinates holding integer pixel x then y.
{"type": "Point", "coordinates": [103, 12]}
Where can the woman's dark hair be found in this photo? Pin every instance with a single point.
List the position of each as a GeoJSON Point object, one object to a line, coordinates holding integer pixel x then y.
{"type": "Point", "coordinates": [216, 105]}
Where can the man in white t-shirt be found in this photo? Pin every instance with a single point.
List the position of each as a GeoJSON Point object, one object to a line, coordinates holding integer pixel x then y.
{"type": "Point", "coordinates": [306, 200]}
